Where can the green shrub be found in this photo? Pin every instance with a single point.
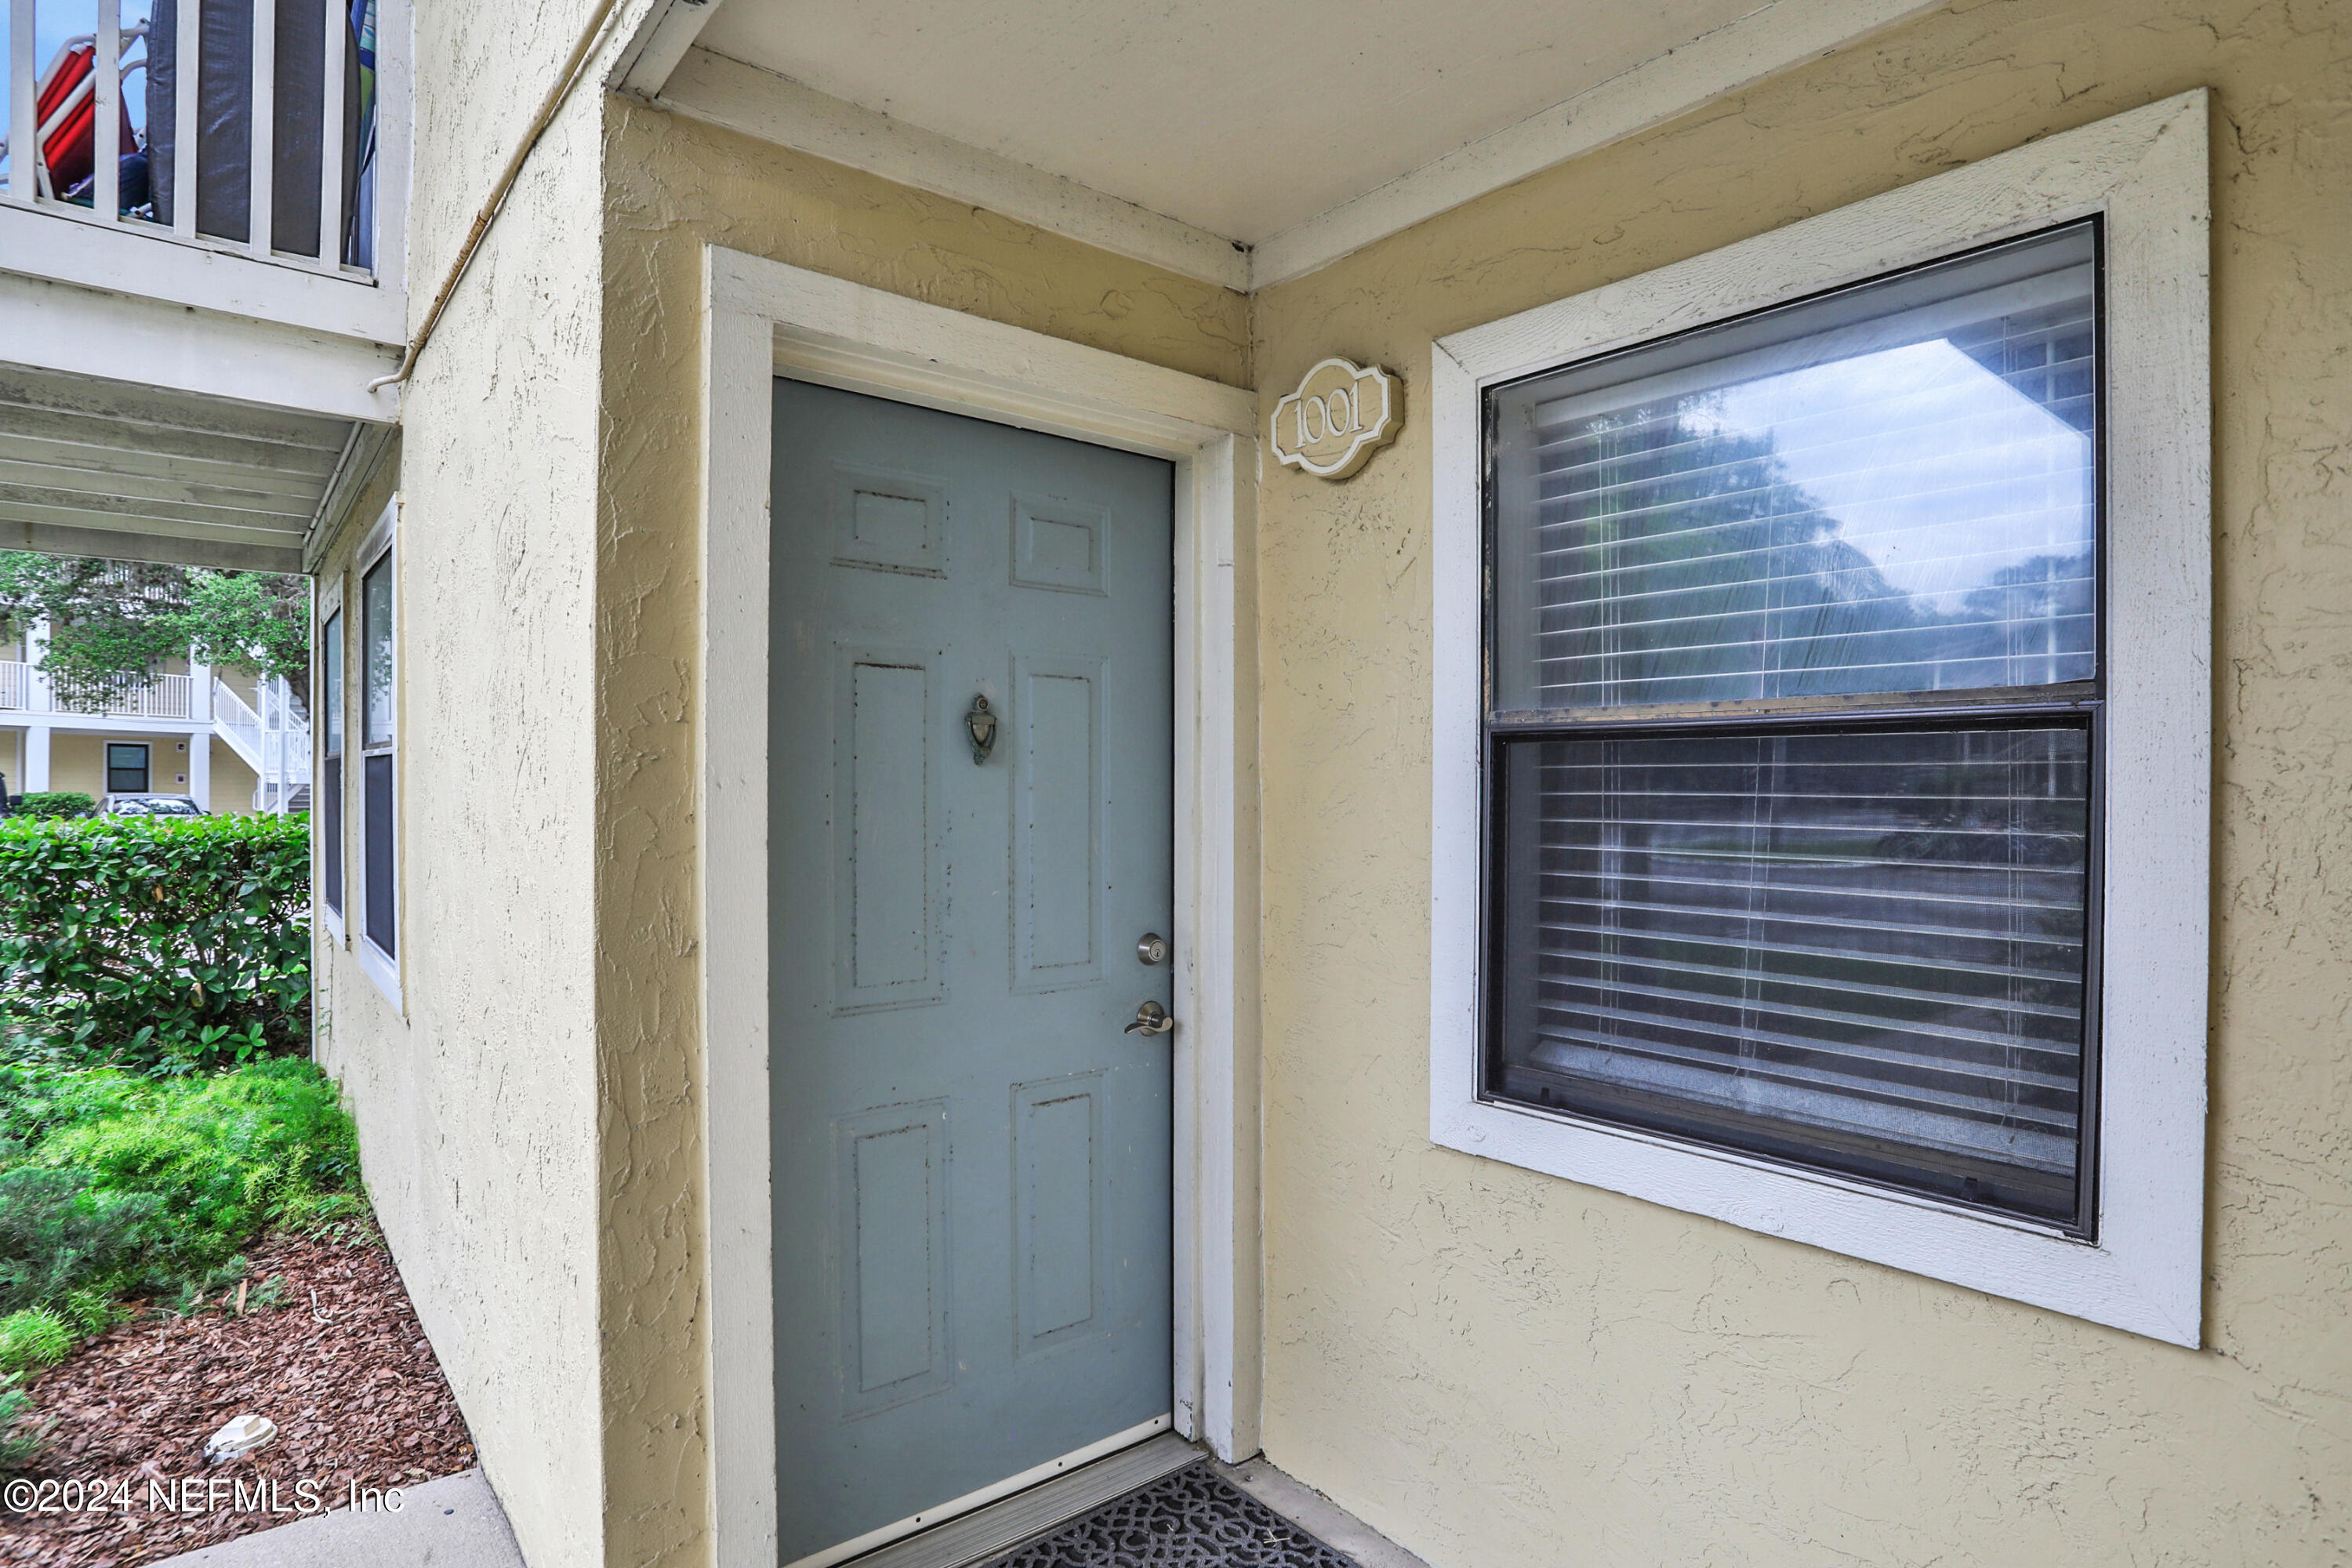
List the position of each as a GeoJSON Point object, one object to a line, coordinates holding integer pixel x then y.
{"type": "Point", "coordinates": [170, 945]}
{"type": "Point", "coordinates": [59, 1236]}
{"type": "Point", "coordinates": [37, 1099]}
{"type": "Point", "coordinates": [90, 1310]}
{"type": "Point", "coordinates": [121, 1185]}
{"type": "Point", "coordinates": [33, 1339]}
{"type": "Point", "coordinates": [20, 1440]}
{"type": "Point", "coordinates": [113, 1183]}
{"type": "Point", "coordinates": [55, 803]}
{"type": "Point", "coordinates": [221, 1157]}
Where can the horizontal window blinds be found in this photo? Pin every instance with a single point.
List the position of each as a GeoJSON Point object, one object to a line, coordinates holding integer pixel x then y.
{"type": "Point", "coordinates": [1860, 946]}
{"type": "Point", "coordinates": [1900, 503]}
{"type": "Point", "coordinates": [1874, 935]}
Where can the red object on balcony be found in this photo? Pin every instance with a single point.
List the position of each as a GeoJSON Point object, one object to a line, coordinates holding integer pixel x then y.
{"type": "Point", "coordinates": [65, 108]}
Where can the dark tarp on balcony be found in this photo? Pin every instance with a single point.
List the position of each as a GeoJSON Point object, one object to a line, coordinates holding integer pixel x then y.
{"type": "Point", "coordinates": [224, 119]}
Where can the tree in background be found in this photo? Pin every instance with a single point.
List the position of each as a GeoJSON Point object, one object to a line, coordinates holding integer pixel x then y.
{"type": "Point", "coordinates": [111, 621]}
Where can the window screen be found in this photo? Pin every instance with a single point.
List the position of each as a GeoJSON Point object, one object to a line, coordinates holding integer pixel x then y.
{"type": "Point", "coordinates": [379, 887]}
{"type": "Point", "coordinates": [1792, 728]}
{"type": "Point", "coordinates": [331, 770]}
{"type": "Point", "coordinates": [126, 768]}
{"type": "Point", "coordinates": [375, 655]}
{"type": "Point", "coordinates": [382, 925]}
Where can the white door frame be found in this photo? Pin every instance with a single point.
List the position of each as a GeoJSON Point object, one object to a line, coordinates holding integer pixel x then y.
{"type": "Point", "coordinates": [765, 319]}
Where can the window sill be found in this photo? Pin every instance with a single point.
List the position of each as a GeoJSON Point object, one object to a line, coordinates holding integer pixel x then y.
{"type": "Point", "coordinates": [382, 969]}
{"type": "Point", "coordinates": [1988, 1252]}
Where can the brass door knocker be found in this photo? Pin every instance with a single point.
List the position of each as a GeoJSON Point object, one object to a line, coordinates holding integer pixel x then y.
{"type": "Point", "coordinates": [981, 724]}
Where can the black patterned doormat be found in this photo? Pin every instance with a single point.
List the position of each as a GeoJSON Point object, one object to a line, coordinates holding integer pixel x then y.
{"type": "Point", "coordinates": [1193, 1518]}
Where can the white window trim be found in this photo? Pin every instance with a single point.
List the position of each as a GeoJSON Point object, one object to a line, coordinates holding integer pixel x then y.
{"type": "Point", "coordinates": [384, 968]}
{"type": "Point", "coordinates": [2146, 172]}
{"type": "Point", "coordinates": [327, 602]}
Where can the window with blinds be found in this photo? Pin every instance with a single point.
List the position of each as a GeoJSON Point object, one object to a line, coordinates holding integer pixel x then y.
{"type": "Point", "coordinates": [1793, 717]}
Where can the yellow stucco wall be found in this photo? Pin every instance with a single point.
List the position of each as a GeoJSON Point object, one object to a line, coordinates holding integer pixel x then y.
{"type": "Point", "coordinates": [233, 782]}
{"type": "Point", "coordinates": [77, 762]}
{"type": "Point", "coordinates": [477, 1098]}
{"type": "Point", "coordinates": [1501, 1369]}
{"type": "Point", "coordinates": [676, 184]}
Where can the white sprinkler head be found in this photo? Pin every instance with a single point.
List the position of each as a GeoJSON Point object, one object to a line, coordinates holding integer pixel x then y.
{"type": "Point", "coordinates": [242, 1436]}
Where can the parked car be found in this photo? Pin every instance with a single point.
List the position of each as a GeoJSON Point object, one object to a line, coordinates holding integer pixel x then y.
{"type": "Point", "coordinates": [150, 806]}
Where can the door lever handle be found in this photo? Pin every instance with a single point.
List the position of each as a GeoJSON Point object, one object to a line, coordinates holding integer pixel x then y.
{"type": "Point", "coordinates": [1150, 1018]}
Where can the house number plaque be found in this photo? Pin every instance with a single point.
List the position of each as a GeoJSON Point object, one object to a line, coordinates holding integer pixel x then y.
{"type": "Point", "coordinates": [1340, 414]}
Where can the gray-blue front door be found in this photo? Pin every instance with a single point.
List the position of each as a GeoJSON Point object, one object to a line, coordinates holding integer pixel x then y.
{"type": "Point", "coordinates": [972, 1158]}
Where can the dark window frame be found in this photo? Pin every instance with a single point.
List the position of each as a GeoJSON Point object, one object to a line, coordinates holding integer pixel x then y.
{"type": "Point", "coordinates": [2081, 702]}
{"type": "Point", "coordinates": [146, 768]}
{"type": "Point", "coordinates": [332, 664]}
{"type": "Point", "coordinates": [379, 911]}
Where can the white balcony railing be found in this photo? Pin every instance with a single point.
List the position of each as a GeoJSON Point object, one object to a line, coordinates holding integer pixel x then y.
{"type": "Point", "coordinates": [274, 156]}
{"type": "Point", "coordinates": [160, 697]}
{"type": "Point", "coordinates": [273, 743]}
{"type": "Point", "coordinates": [235, 720]}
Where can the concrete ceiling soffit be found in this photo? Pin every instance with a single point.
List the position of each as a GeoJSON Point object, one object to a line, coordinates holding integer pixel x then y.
{"type": "Point", "coordinates": [127, 472]}
{"type": "Point", "coordinates": [778, 109]}
{"type": "Point", "coordinates": [665, 64]}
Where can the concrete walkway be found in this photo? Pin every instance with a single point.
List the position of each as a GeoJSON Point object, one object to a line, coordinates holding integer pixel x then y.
{"type": "Point", "coordinates": [456, 1522]}
{"type": "Point", "coordinates": [453, 1522]}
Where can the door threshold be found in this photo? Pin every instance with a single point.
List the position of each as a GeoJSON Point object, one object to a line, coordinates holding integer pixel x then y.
{"type": "Point", "coordinates": [1020, 1508]}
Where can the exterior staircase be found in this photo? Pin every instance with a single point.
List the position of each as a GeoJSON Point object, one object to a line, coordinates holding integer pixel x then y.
{"type": "Point", "coordinates": [273, 743]}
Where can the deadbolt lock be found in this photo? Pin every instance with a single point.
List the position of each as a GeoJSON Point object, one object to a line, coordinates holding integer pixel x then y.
{"type": "Point", "coordinates": [1151, 948]}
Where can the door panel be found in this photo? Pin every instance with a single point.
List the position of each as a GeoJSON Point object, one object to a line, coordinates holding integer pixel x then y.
{"type": "Point", "coordinates": [888, 882]}
{"type": "Point", "coordinates": [1055, 1202]}
{"type": "Point", "coordinates": [894, 1224]}
{"type": "Point", "coordinates": [971, 1159]}
{"type": "Point", "coordinates": [1056, 828]}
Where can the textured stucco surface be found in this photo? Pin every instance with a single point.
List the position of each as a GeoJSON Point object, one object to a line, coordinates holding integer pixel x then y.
{"type": "Point", "coordinates": [476, 1106]}
{"type": "Point", "coordinates": [1498, 1368]}
{"type": "Point", "coordinates": [674, 186]}
{"type": "Point", "coordinates": [477, 1109]}
{"type": "Point", "coordinates": [480, 73]}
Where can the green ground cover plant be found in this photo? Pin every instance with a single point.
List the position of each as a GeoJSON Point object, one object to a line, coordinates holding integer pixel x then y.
{"type": "Point", "coordinates": [19, 1442]}
{"type": "Point", "coordinates": [169, 946]}
{"type": "Point", "coordinates": [113, 1185]}
{"type": "Point", "coordinates": [117, 1185]}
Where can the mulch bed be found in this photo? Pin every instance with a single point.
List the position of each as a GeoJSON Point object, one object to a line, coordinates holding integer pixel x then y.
{"type": "Point", "coordinates": [343, 1368]}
